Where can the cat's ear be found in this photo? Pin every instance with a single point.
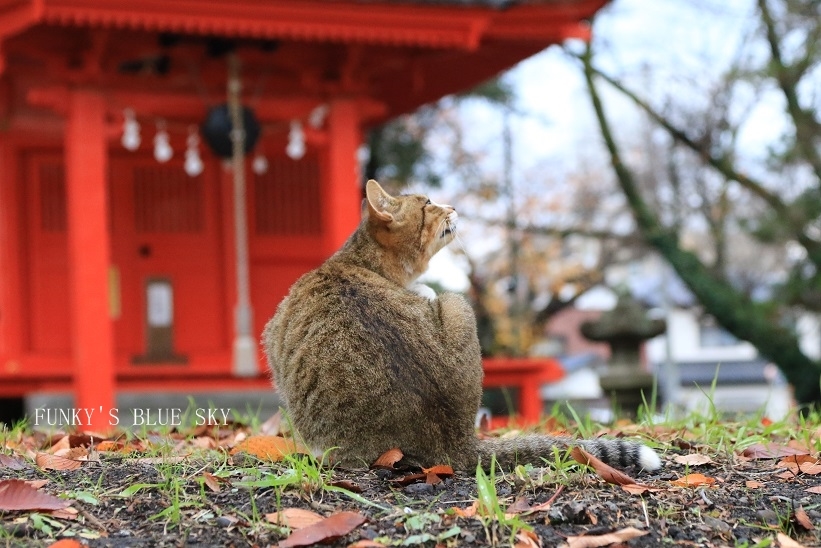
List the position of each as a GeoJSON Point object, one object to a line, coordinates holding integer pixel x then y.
{"type": "Point", "coordinates": [378, 201]}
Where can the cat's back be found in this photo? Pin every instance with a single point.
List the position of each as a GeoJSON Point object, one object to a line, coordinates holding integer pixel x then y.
{"type": "Point", "coordinates": [343, 312]}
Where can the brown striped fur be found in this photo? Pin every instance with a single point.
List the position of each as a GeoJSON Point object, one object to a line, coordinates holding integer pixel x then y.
{"type": "Point", "coordinates": [365, 363]}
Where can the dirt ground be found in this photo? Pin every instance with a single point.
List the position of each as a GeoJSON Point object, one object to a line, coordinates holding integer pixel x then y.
{"type": "Point", "coordinates": [122, 501]}
{"type": "Point", "coordinates": [195, 490]}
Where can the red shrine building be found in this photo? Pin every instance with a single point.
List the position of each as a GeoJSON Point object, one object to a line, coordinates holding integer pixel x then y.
{"type": "Point", "coordinates": [133, 255]}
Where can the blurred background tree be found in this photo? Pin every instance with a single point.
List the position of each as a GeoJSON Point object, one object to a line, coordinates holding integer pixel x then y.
{"type": "Point", "coordinates": [743, 233]}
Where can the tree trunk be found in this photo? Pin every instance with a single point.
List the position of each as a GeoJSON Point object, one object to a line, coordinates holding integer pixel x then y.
{"type": "Point", "coordinates": [733, 310]}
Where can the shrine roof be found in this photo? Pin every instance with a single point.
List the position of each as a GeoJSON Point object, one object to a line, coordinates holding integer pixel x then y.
{"type": "Point", "coordinates": [460, 24]}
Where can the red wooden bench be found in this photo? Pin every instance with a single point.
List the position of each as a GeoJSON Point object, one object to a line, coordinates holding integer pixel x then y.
{"type": "Point", "coordinates": [526, 374]}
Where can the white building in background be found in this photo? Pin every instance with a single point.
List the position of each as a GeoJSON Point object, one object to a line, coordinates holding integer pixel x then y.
{"type": "Point", "coordinates": [716, 369]}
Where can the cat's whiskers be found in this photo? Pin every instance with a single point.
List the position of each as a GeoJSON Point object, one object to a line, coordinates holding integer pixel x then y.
{"type": "Point", "coordinates": [459, 240]}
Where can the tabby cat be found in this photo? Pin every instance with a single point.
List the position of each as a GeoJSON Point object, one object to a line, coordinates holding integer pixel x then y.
{"type": "Point", "coordinates": [366, 360]}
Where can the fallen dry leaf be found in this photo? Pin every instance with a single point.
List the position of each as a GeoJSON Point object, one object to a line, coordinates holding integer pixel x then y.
{"type": "Point", "coordinates": [18, 495]}
{"type": "Point", "coordinates": [639, 488]}
{"type": "Point", "coordinates": [330, 528]}
{"type": "Point", "coordinates": [693, 459]}
{"type": "Point", "coordinates": [270, 448]}
{"type": "Point", "coordinates": [816, 490]}
{"type": "Point", "coordinates": [110, 446]}
{"type": "Point", "coordinates": [295, 518]}
{"type": "Point", "coordinates": [410, 478]}
{"type": "Point", "coordinates": [752, 484]}
{"type": "Point", "coordinates": [365, 543]}
{"type": "Point", "coordinates": [211, 481]}
{"type": "Point", "coordinates": [527, 539]}
{"type": "Point", "coordinates": [436, 474]}
{"type": "Point", "coordinates": [693, 480]}
{"type": "Point", "coordinates": [56, 462]}
{"type": "Point", "coordinates": [441, 470]}
{"type": "Point", "coordinates": [607, 472]}
{"type": "Point", "coordinates": [156, 460]}
{"type": "Point", "coordinates": [519, 505]}
{"type": "Point", "coordinates": [11, 462]}
{"type": "Point", "coordinates": [66, 543]}
{"type": "Point", "coordinates": [388, 459]}
{"type": "Point", "coordinates": [803, 519]}
{"type": "Point", "coordinates": [468, 512]}
{"type": "Point", "coordinates": [64, 513]}
{"type": "Point", "coordinates": [347, 485]}
{"type": "Point", "coordinates": [786, 542]}
{"type": "Point", "coordinates": [772, 451]}
{"type": "Point", "coordinates": [37, 483]}
{"type": "Point", "coordinates": [271, 426]}
{"type": "Point", "coordinates": [593, 541]}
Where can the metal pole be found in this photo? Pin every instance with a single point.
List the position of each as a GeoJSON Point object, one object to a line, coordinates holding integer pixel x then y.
{"type": "Point", "coordinates": [245, 345]}
{"type": "Point", "coordinates": [515, 290]}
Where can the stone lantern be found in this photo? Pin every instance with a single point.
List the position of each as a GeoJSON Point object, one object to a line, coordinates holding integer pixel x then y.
{"type": "Point", "coordinates": [625, 328]}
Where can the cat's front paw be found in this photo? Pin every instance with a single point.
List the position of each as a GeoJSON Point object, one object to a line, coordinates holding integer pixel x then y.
{"type": "Point", "coordinates": [423, 291]}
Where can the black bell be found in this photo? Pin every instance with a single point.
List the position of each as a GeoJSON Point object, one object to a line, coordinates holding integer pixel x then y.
{"type": "Point", "coordinates": [216, 129]}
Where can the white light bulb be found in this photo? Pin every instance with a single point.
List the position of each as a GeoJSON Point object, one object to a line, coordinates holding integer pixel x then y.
{"type": "Point", "coordinates": [131, 131]}
{"type": "Point", "coordinates": [260, 164]}
{"type": "Point", "coordinates": [162, 149]}
{"type": "Point", "coordinates": [296, 141]}
{"type": "Point", "coordinates": [317, 116]}
{"type": "Point", "coordinates": [193, 163]}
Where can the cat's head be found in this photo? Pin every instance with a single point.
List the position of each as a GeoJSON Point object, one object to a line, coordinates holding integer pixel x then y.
{"type": "Point", "coordinates": [412, 226]}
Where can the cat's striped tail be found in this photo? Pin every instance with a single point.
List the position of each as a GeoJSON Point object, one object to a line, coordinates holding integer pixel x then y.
{"type": "Point", "coordinates": [536, 448]}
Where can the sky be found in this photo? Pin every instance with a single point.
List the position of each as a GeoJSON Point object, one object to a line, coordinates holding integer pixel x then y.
{"type": "Point", "coordinates": [690, 40]}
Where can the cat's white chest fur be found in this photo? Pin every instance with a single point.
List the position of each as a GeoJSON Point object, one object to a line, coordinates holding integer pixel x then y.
{"type": "Point", "coordinates": [422, 290]}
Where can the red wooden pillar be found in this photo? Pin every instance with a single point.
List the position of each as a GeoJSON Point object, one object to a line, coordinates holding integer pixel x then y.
{"type": "Point", "coordinates": [89, 255]}
{"type": "Point", "coordinates": [341, 193]}
{"type": "Point", "coordinates": [11, 310]}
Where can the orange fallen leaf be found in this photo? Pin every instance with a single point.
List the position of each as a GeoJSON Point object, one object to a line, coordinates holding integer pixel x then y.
{"type": "Point", "coordinates": [365, 543]}
{"type": "Point", "coordinates": [441, 470]}
{"type": "Point", "coordinates": [752, 484]}
{"type": "Point", "coordinates": [330, 528]}
{"type": "Point", "coordinates": [66, 543]}
{"type": "Point", "coordinates": [468, 512]}
{"type": "Point", "coordinates": [816, 490]}
{"type": "Point", "coordinates": [607, 472]}
{"type": "Point", "coordinates": [62, 442]}
{"type": "Point", "coordinates": [37, 483]}
{"type": "Point", "coordinates": [435, 474]}
{"type": "Point", "coordinates": [527, 539]}
{"type": "Point", "coordinates": [388, 459]}
{"type": "Point", "coordinates": [18, 495]}
{"type": "Point", "coordinates": [56, 462]}
{"type": "Point", "coordinates": [109, 445]}
{"type": "Point", "coordinates": [270, 448]}
{"type": "Point", "coordinates": [594, 541]}
{"type": "Point", "coordinates": [211, 481]}
{"type": "Point", "coordinates": [803, 519]}
{"type": "Point", "coordinates": [295, 518]}
{"type": "Point", "coordinates": [693, 480]}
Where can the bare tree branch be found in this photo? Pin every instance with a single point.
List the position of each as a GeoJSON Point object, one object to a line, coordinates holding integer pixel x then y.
{"type": "Point", "coordinates": [806, 128]}
{"type": "Point", "coordinates": [723, 165]}
{"type": "Point", "coordinates": [733, 310]}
